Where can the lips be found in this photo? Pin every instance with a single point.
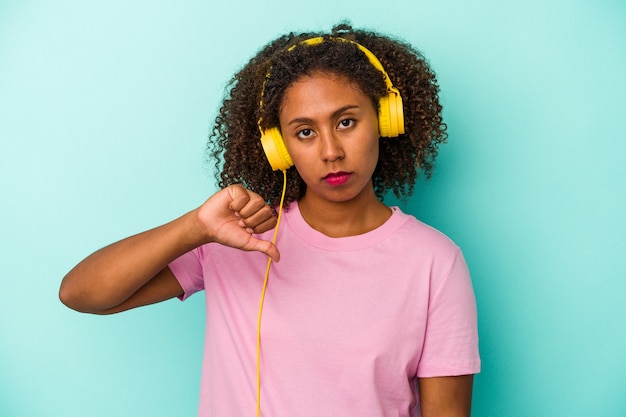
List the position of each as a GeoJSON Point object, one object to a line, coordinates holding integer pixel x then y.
{"type": "Point", "coordinates": [337, 178]}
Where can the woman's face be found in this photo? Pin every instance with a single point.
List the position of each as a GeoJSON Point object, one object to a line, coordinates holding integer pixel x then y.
{"type": "Point", "coordinates": [330, 129]}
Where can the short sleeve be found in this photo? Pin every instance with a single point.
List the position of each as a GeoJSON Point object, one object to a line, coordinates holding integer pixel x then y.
{"type": "Point", "coordinates": [188, 271]}
{"type": "Point", "coordinates": [451, 341]}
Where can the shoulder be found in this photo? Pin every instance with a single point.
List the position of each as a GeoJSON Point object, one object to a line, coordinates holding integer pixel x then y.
{"type": "Point", "coordinates": [422, 236]}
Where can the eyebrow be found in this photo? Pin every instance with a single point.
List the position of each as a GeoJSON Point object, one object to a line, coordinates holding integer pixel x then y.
{"type": "Point", "coordinates": [335, 114]}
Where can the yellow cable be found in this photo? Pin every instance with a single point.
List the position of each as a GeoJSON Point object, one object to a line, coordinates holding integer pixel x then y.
{"type": "Point", "coordinates": [258, 327]}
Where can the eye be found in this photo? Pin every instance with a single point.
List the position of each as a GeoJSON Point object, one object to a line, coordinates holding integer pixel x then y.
{"type": "Point", "coordinates": [346, 123]}
{"type": "Point", "coordinates": [304, 133]}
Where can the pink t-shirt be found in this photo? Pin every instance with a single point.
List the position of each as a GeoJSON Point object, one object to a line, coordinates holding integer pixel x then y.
{"type": "Point", "coordinates": [348, 323]}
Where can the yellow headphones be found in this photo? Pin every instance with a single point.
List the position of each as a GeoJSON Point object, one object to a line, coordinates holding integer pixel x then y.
{"type": "Point", "coordinates": [390, 113]}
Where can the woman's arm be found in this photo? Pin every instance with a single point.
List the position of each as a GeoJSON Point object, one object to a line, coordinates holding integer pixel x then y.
{"type": "Point", "coordinates": [133, 271]}
{"type": "Point", "coordinates": [449, 396]}
{"type": "Point", "coordinates": [161, 287]}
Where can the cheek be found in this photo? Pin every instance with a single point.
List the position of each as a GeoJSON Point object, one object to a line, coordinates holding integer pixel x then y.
{"type": "Point", "coordinates": [374, 155]}
{"type": "Point", "coordinates": [302, 164]}
{"type": "Point", "coordinates": [295, 154]}
{"type": "Point", "coordinates": [373, 151]}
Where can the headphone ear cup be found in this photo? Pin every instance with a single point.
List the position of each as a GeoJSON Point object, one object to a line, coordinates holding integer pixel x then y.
{"type": "Point", "coordinates": [384, 122]}
{"type": "Point", "coordinates": [391, 115]}
{"type": "Point", "coordinates": [275, 149]}
{"type": "Point", "coordinates": [396, 112]}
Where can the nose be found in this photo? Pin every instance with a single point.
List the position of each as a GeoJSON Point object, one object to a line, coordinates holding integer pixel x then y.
{"type": "Point", "coordinates": [330, 147]}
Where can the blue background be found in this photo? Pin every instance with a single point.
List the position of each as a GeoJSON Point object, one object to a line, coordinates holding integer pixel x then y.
{"type": "Point", "coordinates": [104, 111]}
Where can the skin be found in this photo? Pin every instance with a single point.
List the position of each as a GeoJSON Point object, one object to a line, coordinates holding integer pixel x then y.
{"type": "Point", "coordinates": [449, 396]}
{"type": "Point", "coordinates": [329, 127]}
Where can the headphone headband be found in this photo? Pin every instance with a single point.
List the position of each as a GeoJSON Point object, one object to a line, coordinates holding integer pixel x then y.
{"type": "Point", "coordinates": [370, 56]}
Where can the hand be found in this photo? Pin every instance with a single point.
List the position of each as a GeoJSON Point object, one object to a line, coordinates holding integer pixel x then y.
{"type": "Point", "coordinates": [232, 215]}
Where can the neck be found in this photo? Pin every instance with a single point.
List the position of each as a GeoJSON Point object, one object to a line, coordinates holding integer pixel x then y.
{"type": "Point", "coordinates": [345, 218]}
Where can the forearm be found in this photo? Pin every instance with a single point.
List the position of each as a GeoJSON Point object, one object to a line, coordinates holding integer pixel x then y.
{"type": "Point", "coordinates": [111, 275]}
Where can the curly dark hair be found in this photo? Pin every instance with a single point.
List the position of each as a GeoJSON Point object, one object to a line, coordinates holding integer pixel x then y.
{"type": "Point", "coordinates": [235, 143]}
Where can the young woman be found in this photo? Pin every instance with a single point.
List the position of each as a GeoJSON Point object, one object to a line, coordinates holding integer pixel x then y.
{"type": "Point", "coordinates": [367, 312]}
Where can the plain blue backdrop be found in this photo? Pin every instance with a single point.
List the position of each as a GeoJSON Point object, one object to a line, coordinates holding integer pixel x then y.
{"type": "Point", "coordinates": [104, 112]}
